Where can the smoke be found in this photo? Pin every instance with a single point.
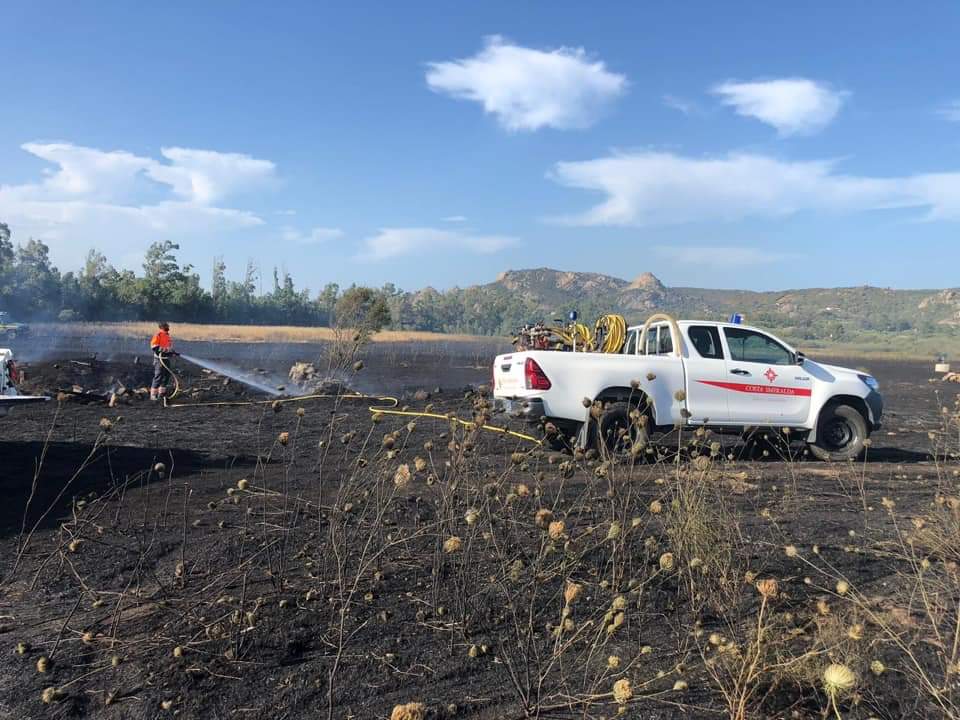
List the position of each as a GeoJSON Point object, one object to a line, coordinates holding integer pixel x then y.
{"type": "Point", "coordinates": [232, 373]}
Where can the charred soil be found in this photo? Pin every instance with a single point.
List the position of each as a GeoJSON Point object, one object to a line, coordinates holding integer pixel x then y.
{"type": "Point", "coordinates": [319, 559]}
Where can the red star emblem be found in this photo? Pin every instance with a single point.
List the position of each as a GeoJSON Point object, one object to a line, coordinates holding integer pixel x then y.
{"type": "Point", "coordinates": [770, 375]}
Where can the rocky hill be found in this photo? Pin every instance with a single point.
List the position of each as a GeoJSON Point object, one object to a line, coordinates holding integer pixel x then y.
{"type": "Point", "coordinates": [518, 296]}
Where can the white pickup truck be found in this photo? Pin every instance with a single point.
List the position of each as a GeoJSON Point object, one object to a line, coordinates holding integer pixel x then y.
{"type": "Point", "coordinates": [9, 397]}
{"type": "Point", "coordinates": [727, 376]}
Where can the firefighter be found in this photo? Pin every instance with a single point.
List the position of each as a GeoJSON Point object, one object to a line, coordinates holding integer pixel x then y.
{"type": "Point", "coordinates": [162, 347]}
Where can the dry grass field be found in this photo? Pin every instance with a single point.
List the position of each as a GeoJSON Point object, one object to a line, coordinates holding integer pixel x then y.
{"type": "Point", "coordinates": [237, 333]}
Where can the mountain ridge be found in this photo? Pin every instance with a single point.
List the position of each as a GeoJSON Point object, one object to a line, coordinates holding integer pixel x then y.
{"type": "Point", "coordinates": [516, 297]}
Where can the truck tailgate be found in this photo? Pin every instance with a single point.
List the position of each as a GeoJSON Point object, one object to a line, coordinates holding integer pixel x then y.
{"type": "Point", "coordinates": [508, 377]}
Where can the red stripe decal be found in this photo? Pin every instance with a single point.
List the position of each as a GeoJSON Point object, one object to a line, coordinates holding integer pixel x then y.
{"type": "Point", "coordinates": [758, 389]}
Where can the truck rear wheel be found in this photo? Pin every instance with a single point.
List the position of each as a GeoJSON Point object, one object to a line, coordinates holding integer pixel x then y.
{"type": "Point", "coordinates": [558, 436]}
{"type": "Point", "coordinates": [620, 433]}
{"type": "Point", "coordinates": [841, 432]}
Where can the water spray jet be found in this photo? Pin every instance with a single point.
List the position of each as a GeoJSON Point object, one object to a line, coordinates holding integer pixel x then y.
{"type": "Point", "coordinates": [232, 373]}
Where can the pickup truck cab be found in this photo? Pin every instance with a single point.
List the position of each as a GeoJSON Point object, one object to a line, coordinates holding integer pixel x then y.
{"type": "Point", "coordinates": [9, 376]}
{"type": "Point", "coordinates": [691, 373]}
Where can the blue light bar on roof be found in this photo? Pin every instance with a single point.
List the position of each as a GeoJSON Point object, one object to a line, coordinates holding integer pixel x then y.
{"type": "Point", "coordinates": [736, 319]}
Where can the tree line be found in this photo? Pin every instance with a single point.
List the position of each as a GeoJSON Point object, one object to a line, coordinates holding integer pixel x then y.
{"type": "Point", "coordinates": [32, 288]}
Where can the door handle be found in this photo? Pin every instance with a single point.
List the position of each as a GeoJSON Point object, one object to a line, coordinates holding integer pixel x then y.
{"type": "Point", "coordinates": [738, 371]}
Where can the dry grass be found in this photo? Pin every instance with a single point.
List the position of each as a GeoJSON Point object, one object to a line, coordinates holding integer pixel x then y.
{"type": "Point", "coordinates": [892, 348]}
{"type": "Point", "coordinates": [239, 333]}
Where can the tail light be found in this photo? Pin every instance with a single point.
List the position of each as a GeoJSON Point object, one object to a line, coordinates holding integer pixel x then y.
{"type": "Point", "coordinates": [536, 378]}
{"type": "Point", "coordinates": [13, 372]}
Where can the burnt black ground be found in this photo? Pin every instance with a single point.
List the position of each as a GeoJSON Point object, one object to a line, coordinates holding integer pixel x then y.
{"type": "Point", "coordinates": [135, 524]}
{"type": "Point", "coordinates": [394, 367]}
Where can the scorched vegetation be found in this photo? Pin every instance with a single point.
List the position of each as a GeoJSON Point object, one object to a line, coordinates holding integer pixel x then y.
{"type": "Point", "coordinates": [372, 565]}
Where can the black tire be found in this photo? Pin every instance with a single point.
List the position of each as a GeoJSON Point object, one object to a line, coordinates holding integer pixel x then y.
{"type": "Point", "coordinates": [613, 422]}
{"type": "Point", "coordinates": [841, 432]}
{"type": "Point", "coordinates": [769, 440]}
{"type": "Point", "coordinates": [558, 437]}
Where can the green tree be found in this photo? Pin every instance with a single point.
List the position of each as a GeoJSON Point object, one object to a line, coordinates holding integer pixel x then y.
{"type": "Point", "coordinates": [327, 300]}
{"type": "Point", "coordinates": [37, 282]}
{"type": "Point", "coordinates": [362, 309]}
{"type": "Point", "coordinates": [218, 287]}
{"type": "Point", "coordinates": [96, 290]}
{"type": "Point", "coordinates": [6, 265]}
{"type": "Point", "coordinates": [186, 299]}
{"type": "Point", "coordinates": [240, 305]}
{"type": "Point", "coordinates": [160, 271]}
{"type": "Point", "coordinates": [169, 289]}
{"type": "Point", "coordinates": [288, 305]}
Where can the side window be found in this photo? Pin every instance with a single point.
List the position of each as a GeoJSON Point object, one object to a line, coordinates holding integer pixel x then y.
{"type": "Point", "coordinates": [706, 340]}
{"type": "Point", "coordinates": [630, 348]}
{"type": "Point", "coordinates": [751, 346]}
{"type": "Point", "coordinates": [664, 341]}
{"type": "Point", "coordinates": [651, 343]}
{"type": "Point", "coordinates": [659, 341]}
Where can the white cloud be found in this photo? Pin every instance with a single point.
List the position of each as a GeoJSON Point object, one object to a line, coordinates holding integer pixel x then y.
{"type": "Point", "coordinates": [314, 236]}
{"type": "Point", "coordinates": [655, 188]}
{"type": "Point", "coordinates": [119, 202]}
{"type": "Point", "coordinates": [721, 256]}
{"type": "Point", "coordinates": [204, 176]}
{"type": "Point", "coordinates": [679, 104]}
{"type": "Point", "coordinates": [396, 242]}
{"type": "Point", "coordinates": [84, 173]}
{"type": "Point", "coordinates": [529, 89]}
{"type": "Point", "coordinates": [794, 106]}
{"type": "Point", "coordinates": [950, 111]}
{"type": "Point", "coordinates": [455, 219]}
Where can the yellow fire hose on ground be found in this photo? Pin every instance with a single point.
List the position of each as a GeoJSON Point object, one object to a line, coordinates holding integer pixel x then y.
{"type": "Point", "coordinates": [176, 380]}
{"type": "Point", "coordinates": [389, 408]}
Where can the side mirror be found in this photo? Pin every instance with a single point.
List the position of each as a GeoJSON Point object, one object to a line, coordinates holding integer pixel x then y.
{"type": "Point", "coordinates": [800, 358]}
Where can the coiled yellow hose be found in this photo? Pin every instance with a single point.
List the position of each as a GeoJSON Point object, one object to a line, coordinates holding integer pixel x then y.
{"type": "Point", "coordinates": [575, 336]}
{"type": "Point", "coordinates": [613, 329]}
{"type": "Point", "coordinates": [610, 332]}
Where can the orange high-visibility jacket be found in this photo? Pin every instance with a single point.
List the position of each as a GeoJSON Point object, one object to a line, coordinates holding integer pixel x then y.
{"type": "Point", "coordinates": [161, 340]}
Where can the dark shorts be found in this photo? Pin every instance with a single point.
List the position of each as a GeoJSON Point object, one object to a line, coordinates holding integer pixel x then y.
{"type": "Point", "coordinates": [161, 375]}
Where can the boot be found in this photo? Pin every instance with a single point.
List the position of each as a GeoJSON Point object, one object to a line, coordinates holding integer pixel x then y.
{"type": "Point", "coordinates": [153, 394]}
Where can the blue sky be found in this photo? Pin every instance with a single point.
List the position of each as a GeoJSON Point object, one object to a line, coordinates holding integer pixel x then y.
{"type": "Point", "coordinates": [718, 145]}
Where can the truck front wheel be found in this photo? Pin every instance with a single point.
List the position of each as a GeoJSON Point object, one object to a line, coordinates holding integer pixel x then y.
{"type": "Point", "coordinates": [841, 432]}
